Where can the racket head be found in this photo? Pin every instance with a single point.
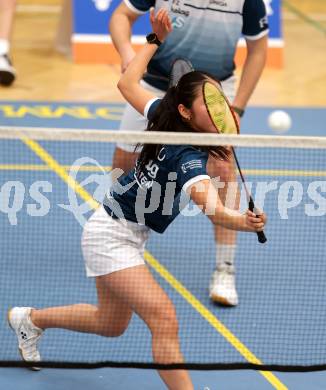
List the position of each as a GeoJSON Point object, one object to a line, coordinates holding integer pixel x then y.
{"type": "Point", "coordinates": [219, 109]}
{"type": "Point", "coordinates": [180, 67]}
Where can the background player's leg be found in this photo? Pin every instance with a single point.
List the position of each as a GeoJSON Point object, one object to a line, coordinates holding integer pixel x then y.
{"type": "Point", "coordinates": [124, 154]}
{"type": "Point", "coordinates": [123, 159]}
{"type": "Point", "coordinates": [222, 287]}
{"type": "Point", "coordinates": [7, 10]}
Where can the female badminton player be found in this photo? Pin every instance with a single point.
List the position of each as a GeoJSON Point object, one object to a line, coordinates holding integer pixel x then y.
{"type": "Point", "coordinates": [114, 237]}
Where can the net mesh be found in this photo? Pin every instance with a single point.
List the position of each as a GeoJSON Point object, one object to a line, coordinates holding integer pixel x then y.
{"type": "Point", "coordinates": [53, 179]}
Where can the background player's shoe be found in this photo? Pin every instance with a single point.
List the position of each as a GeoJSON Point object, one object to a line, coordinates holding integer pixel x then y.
{"type": "Point", "coordinates": [7, 71]}
{"type": "Point", "coordinates": [27, 333]}
{"type": "Point", "coordinates": [222, 287]}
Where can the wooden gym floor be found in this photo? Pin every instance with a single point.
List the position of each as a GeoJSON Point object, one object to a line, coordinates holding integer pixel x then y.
{"type": "Point", "coordinates": [44, 74]}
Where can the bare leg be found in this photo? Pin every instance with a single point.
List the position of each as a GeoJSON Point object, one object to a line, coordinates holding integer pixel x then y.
{"type": "Point", "coordinates": [7, 71]}
{"type": "Point", "coordinates": [138, 289]}
{"type": "Point", "coordinates": [120, 293]}
{"type": "Point", "coordinates": [226, 172]}
{"type": "Point", "coordinates": [7, 10]}
{"type": "Point", "coordinates": [109, 318]}
{"type": "Point", "coordinates": [222, 287]}
{"type": "Point", "coordinates": [124, 160]}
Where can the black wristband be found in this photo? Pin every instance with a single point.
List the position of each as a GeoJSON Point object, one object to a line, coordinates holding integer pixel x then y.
{"type": "Point", "coordinates": [238, 110]}
{"type": "Point", "coordinates": [153, 39]}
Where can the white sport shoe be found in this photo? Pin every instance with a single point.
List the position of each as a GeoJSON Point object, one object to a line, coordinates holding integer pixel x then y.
{"type": "Point", "coordinates": [222, 287]}
{"type": "Point", "coordinates": [27, 333]}
{"type": "Point", "coordinates": [7, 71]}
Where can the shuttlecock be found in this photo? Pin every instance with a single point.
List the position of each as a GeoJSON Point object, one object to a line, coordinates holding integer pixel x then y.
{"type": "Point", "coordinates": [279, 121]}
{"type": "Point", "coordinates": [102, 5]}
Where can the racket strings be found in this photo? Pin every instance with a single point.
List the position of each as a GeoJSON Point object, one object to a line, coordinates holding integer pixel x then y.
{"type": "Point", "coordinates": [219, 109]}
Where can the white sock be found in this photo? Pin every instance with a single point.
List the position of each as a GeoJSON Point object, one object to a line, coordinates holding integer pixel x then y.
{"type": "Point", "coordinates": [4, 46]}
{"type": "Point", "coordinates": [225, 255]}
{"type": "Point", "coordinates": [31, 323]}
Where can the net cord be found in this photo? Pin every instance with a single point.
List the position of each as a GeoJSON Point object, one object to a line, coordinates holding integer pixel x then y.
{"type": "Point", "coordinates": [167, 138]}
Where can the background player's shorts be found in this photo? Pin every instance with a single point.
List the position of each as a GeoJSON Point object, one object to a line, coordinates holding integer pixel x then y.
{"type": "Point", "coordinates": [133, 120]}
{"type": "Point", "coordinates": [111, 245]}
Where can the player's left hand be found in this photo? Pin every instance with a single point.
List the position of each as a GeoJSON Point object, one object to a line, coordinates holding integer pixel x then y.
{"type": "Point", "coordinates": [161, 23]}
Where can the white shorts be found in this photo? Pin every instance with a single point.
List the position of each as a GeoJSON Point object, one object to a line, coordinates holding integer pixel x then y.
{"type": "Point", "coordinates": [111, 245]}
{"type": "Point", "coordinates": [133, 120]}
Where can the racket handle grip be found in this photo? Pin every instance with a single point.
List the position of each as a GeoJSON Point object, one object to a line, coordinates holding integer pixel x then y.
{"type": "Point", "coordinates": [261, 235]}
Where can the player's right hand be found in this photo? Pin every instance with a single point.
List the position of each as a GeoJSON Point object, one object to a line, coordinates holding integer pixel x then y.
{"type": "Point", "coordinates": [256, 223]}
{"type": "Point", "coordinates": [161, 23]}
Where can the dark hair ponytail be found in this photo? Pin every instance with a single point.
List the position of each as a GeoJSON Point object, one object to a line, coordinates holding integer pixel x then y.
{"type": "Point", "coordinates": [168, 119]}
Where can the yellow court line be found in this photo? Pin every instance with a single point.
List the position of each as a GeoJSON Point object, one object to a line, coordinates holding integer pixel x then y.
{"type": "Point", "coordinates": [40, 167]}
{"type": "Point", "coordinates": [108, 168]}
{"type": "Point", "coordinates": [60, 171]}
{"type": "Point", "coordinates": [212, 320]}
{"type": "Point", "coordinates": [282, 172]}
{"type": "Point", "coordinates": [186, 294]}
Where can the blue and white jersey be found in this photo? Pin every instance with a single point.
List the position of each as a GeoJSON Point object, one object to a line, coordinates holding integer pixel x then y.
{"type": "Point", "coordinates": [152, 196]}
{"type": "Point", "coordinates": [205, 32]}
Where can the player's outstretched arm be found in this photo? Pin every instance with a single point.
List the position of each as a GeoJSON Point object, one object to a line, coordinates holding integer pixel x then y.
{"type": "Point", "coordinates": [204, 194]}
{"type": "Point", "coordinates": [129, 84]}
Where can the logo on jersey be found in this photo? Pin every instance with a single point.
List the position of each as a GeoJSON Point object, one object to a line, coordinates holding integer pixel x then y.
{"type": "Point", "coordinates": [178, 8]}
{"type": "Point", "coordinates": [193, 164]}
{"type": "Point", "coordinates": [220, 3]}
{"type": "Point", "coordinates": [263, 22]}
{"type": "Point", "coordinates": [178, 22]}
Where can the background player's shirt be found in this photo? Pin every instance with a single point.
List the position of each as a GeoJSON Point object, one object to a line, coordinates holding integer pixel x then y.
{"type": "Point", "coordinates": [152, 196]}
{"type": "Point", "coordinates": [205, 32]}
